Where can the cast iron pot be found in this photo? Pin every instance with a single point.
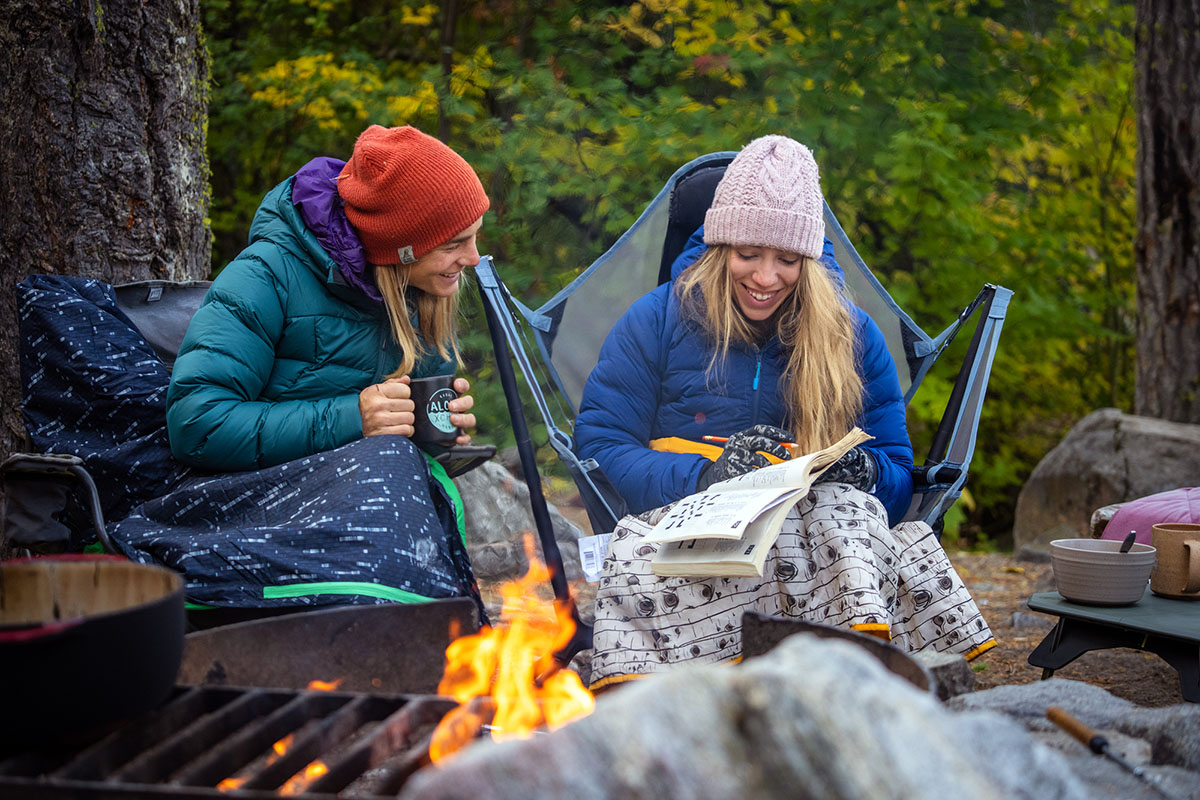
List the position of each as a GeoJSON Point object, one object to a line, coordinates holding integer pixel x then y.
{"type": "Point", "coordinates": [85, 641]}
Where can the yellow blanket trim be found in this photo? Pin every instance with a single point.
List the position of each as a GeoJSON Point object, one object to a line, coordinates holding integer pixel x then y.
{"type": "Point", "coordinates": [980, 650]}
{"type": "Point", "coordinates": [879, 630]}
{"type": "Point", "coordinates": [613, 680]}
{"type": "Point", "coordinates": [677, 444]}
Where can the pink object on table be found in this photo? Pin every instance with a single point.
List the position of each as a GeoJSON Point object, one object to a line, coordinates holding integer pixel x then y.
{"type": "Point", "coordinates": [1140, 516]}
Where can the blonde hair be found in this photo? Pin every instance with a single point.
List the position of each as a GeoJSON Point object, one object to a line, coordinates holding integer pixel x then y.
{"type": "Point", "coordinates": [435, 318]}
{"type": "Point", "coordinates": [823, 390]}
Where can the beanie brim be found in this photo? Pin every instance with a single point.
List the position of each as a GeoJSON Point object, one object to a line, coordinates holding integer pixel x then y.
{"type": "Point", "coordinates": [406, 193]}
{"type": "Point", "coordinates": [755, 226]}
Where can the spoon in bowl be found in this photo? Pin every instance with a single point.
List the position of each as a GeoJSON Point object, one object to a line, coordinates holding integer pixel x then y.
{"type": "Point", "coordinates": [1128, 543]}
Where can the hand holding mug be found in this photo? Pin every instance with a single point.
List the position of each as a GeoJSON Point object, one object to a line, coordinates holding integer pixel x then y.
{"type": "Point", "coordinates": [387, 407]}
{"type": "Point", "coordinates": [459, 408]}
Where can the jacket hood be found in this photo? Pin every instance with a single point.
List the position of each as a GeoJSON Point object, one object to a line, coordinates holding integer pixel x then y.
{"type": "Point", "coordinates": [279, 220]}
{"type": "Point", "coordinates": [315, 195]}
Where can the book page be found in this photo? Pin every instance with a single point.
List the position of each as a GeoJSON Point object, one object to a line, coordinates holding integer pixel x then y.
{"type": "Point", "coordinates": [723, 515]}
{"type": "Point", "coordinates": [724, 557]}
{"type": "Point", "coordinates": [724, 509]}
{"type": "Point", "coordinates": [784, 475]}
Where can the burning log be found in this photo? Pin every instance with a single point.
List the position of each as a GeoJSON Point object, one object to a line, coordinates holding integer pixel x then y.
{"type": "Point", "coordinates": [513, 664]}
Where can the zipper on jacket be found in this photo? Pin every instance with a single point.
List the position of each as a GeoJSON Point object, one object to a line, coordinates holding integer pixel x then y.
{"type": "Point", "coordinates": [385, 333]}
{"type": "Point", "coordinates": [754, 387]}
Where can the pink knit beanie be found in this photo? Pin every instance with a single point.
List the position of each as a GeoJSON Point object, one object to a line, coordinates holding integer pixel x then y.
{"type": "Point", "coordinates": [770, 196]}
{"type": "Point", "coordinates": [406, 193]}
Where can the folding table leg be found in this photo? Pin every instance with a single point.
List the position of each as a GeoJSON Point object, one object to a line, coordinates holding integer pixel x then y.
{"type": "Point", "coordinates": [1072, 638]}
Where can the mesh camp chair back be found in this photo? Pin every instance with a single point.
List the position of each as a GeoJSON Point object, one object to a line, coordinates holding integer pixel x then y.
{"type": "Point", "coordinates": [557, 345]}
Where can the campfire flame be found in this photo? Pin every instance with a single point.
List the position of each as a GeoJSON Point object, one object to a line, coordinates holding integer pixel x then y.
{"type": "Point", "coordinates": [513, 663]}
{"type": "Point", "coordinates": [279, 748]}
{"type": "Point", "coordinates": [302, 779]}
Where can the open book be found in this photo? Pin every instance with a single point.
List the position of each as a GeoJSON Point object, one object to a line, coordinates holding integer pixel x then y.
{"type": "Point", "coordinates": [728, 528]}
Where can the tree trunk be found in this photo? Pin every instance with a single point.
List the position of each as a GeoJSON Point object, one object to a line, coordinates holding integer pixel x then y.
{"type": "Point", "coordinates": [1168, 242]}
{"type": "Point", "coordinates": [103, 171]}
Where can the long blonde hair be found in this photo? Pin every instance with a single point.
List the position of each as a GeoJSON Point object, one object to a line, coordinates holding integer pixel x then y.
{"type": "Point", "coordinates": [823, 391]}
{"type": "Point", "coordinates": [435, 318]}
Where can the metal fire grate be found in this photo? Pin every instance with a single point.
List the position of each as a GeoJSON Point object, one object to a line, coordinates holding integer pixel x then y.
{"type": "Point", "coordinates": [205, 737]}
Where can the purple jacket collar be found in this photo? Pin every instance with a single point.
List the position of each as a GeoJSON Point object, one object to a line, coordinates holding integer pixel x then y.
{"type": "Point", "coordinates": [315, 196]}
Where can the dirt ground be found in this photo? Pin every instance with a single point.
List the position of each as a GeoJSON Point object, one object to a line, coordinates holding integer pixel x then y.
{"type": "Point", "coordinates": [1000, 585]}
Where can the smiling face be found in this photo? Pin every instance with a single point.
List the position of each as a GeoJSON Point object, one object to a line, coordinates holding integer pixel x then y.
{"type": "Point", "coordinates": [438, 271]}
{"type": "Point", "coordinates": [762, 278]}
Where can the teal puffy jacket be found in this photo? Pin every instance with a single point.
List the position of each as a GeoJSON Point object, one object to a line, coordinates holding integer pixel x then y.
{"type": "Point", "coordinates": [275, 357]}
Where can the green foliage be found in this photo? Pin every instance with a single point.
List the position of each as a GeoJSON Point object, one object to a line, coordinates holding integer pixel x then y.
{"type": "Point", "coordinates": [960, 143]}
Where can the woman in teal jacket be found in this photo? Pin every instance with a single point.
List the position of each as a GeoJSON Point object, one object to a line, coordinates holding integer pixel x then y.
{"type": "Point", "coordinates": [290, 394]}
{"type": "Point", "coordinates": [306, 341]}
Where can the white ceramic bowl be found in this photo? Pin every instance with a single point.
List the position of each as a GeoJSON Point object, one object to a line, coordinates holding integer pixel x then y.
{"type": "Point", "coordinates": [1096, 572]}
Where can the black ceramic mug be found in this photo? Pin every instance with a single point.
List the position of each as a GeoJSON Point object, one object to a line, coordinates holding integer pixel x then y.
{"type": "Point", "coordinates": [431, 398]}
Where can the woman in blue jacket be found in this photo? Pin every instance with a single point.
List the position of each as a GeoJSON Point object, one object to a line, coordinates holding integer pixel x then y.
{"type": "Point", "coordinates": [753, 340]}
{"type": "Point", "coordinates": [290, 394]}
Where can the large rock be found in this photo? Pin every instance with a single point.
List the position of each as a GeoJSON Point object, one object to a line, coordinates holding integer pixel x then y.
{"type": "Point", "coordinates": [1163, 741]}
{"type": "Point", "coordinates": [498, 516]}
{"type": "Point", "coordinates": [1108, 457]}
{"type": "Point", "coordinates": [815, 718]}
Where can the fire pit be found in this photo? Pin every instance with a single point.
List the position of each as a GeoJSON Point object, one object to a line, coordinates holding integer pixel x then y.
{"type": "Point", "coordinates": [216, 741]}
{"type": "Point", "coordinates": [208, 742]}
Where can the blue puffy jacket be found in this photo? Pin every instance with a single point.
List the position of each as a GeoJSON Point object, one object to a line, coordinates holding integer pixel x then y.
{"type": "Point", "coordinates": [652, 381]}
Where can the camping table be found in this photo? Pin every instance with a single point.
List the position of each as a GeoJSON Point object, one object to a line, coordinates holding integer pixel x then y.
{"type": "Point", "coordinates": [1169, 628]}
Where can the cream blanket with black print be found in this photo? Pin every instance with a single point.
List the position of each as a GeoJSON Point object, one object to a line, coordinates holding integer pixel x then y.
{"type": "Point", "coordinates": [836, 562]}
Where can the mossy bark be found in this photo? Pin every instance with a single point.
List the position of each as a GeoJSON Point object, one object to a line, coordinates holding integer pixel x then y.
{"type": "Point", "coordinates": [103, 171]}
{"type": "Point", "coordinates": [1168, 243]}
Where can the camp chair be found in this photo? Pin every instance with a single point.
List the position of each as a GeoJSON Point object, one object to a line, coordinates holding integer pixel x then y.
{"type": "Point", "coordinates": [51, 501]}
{"type": "Point", "coordinates": [557, 345]}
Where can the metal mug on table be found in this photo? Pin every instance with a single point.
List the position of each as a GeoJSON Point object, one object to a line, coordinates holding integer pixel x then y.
{"type": "Point", "coordinates": [1177, 573]}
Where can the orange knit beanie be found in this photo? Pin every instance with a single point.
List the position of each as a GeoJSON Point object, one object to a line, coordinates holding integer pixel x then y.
{"type": "Point", "coordinates": [406, 193]}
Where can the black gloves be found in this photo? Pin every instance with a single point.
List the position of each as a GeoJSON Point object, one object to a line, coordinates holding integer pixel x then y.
{"type": "Point", "coordinates": [856, 468]}
{"type": "Point", "coordinates": [741, 454]}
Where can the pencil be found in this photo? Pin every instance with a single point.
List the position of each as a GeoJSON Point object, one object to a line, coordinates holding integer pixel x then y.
{"type": "Point", "coordinates": [723, 439]}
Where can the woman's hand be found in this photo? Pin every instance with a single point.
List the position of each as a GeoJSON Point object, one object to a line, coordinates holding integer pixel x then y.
{"type": "Point", "coordinates": [459, 407]}
{"type": "Point", "coordinates": [388, 408]}
{"type": "Point", "coordinates": [856, 468]}
{"type": "Point", "coordinates": [742, 454]}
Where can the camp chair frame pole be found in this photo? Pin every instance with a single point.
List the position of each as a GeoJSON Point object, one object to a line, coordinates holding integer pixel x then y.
{"type": "Point", "coordinates": [604, 507]}
{"type": "Point", "coordinates": [944, 472]}
{"type": "Point", "coordinates": [501, 335]}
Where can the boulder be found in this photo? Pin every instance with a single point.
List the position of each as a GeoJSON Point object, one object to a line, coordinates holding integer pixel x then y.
{"type": "Point", "coordinates": [1108, 457]}
{"type": "Point", "coordinates": [952, 674]}
{"type": "Point", "coordinates": [814, 718]}
{"type": "Point", "coordinates": [498, 515]}
{"type": "Point", "coordinates": [822, 718]}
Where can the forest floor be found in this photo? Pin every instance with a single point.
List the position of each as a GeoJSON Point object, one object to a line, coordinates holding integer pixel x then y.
{"type": "Point", "coordinates": [1000, 585]}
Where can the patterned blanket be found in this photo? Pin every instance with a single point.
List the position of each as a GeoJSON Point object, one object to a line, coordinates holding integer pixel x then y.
{"type": "Point", "coordinates": [836, 562]}
{"type": "Point", "coordinates": [371, 522]}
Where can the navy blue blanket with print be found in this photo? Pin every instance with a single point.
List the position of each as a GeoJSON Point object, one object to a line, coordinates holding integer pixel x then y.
{"type": "Point", "coordinates": [365, 523]}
